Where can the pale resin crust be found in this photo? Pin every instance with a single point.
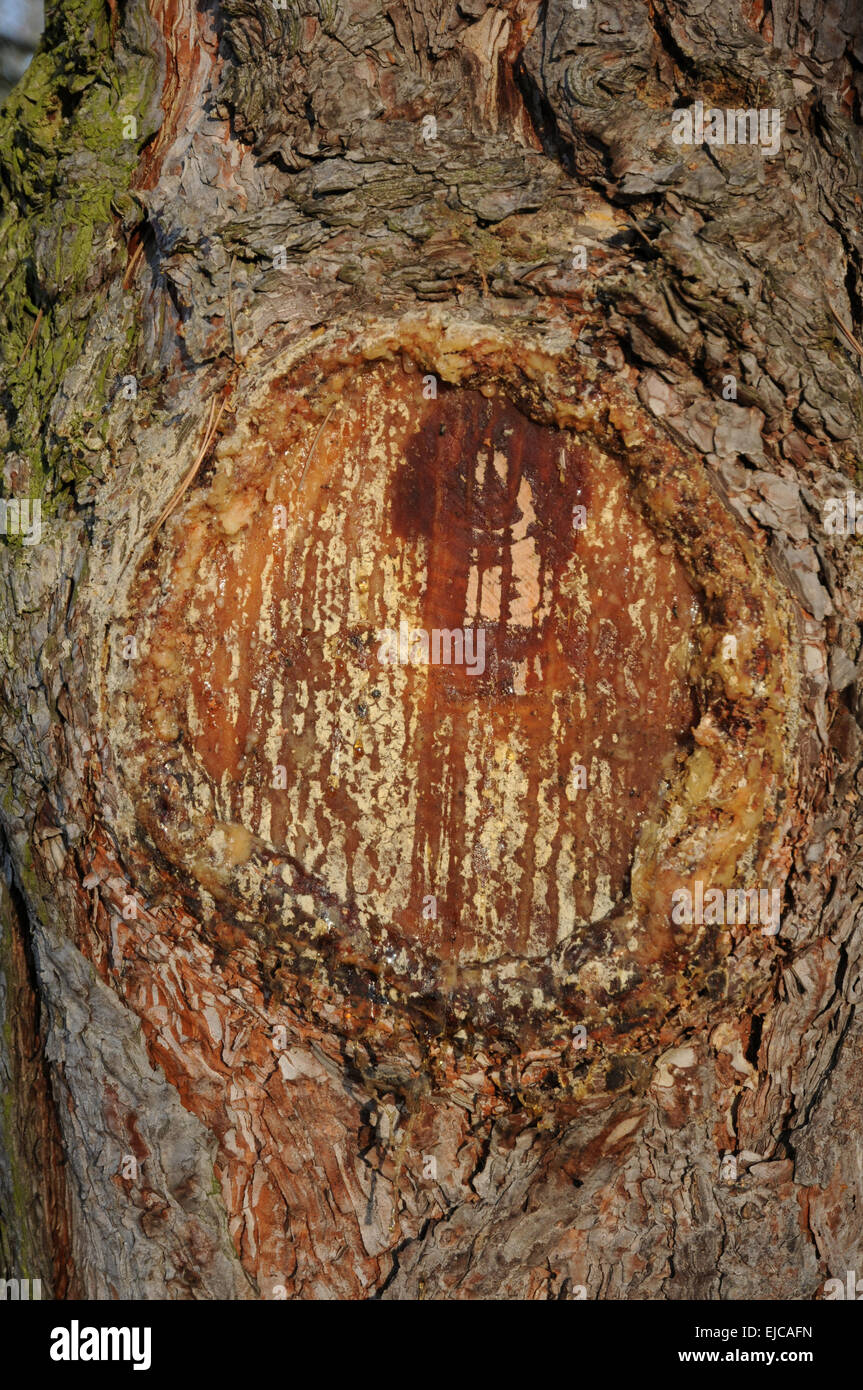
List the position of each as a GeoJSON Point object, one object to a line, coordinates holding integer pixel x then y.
{"type": "Point", "coordinates": [724, 817]}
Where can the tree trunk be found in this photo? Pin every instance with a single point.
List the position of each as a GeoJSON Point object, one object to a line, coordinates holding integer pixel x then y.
{"type": "Point", "coordinates": [445, 576]}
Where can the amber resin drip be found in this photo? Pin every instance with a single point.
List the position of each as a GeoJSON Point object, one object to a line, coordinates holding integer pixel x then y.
{"type": "Point", "coordinates": [429, 651]}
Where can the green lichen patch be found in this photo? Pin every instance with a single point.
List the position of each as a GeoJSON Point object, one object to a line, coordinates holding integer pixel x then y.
{"type": "Point", "coordinates": [70, 137]}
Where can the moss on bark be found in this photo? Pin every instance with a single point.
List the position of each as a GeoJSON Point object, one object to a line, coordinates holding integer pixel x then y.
{"type": "Point", "coordinates": [67, 154]}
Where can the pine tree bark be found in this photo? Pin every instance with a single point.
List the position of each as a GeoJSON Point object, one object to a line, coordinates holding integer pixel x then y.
{"type": "Point", "coordinates": [235, 243]}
